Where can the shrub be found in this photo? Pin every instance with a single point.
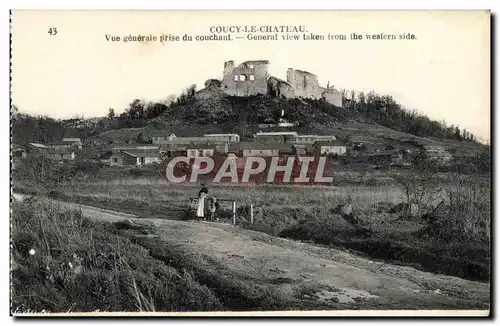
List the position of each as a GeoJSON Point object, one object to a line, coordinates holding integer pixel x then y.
{"type": "Point", "coordinates": [420, 189]}
{"type": "Point", "coordinates": [468, 217]}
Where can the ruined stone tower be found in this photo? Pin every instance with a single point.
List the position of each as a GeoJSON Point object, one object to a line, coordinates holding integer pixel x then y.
{"type": "Point", "coordinates": [248, 78]}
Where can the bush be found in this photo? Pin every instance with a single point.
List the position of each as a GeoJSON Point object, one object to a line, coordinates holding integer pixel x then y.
{"type": "Point", "coordinates": [468, 214]}
{"type": "Point", "coordinates": [420, 189]}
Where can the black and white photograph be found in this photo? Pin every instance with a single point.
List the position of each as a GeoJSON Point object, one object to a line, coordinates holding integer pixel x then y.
{"type": "Point", "coordinates": [250, 163]}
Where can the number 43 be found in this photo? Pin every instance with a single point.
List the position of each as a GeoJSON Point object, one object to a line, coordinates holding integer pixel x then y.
{"type": "Point", "coordinates": [52, 31]}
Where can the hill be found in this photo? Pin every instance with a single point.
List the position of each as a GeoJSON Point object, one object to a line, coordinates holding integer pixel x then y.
{"type": "Point", "coordinates": [372, 119]}
{"type": "Point", "coordinates": [214, 112]}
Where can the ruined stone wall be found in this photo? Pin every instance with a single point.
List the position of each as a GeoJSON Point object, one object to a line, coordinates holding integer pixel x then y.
{"type": "Point", "coordinates": [251, 77]}
{"type": "Point", "coordinates": [333, 96]}
{"type": "Point", "coordinates": [304, 83]}
{"type": "Point", "coordinates": [248, 78]}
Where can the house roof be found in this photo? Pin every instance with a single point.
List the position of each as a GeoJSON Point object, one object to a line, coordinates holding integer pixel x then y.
{"type": "Point", "coordinates": [277, 133]}
{"type": "Point", "coordinates": [71, 140]}
{"type": "Point", "coordinates": [218, 135]}
{"type": "Point", "coordinates": [317, 136]}
{"type": "Point", "coordinates": [135, 147]}
{"type": "Point", "coordinates": [200, 146]}
{"type": "Point", "coordinates": [187, 140]}
{"type": "Point", "coordinates": [58, 143]}
{"type": "Point", "coordinates": [329, 143]}
{"type": "Point", "coordinates": [142, 153]}
{"type": "Point", "coordinates": [37, 145]}
{"type": "Point", "coordinates": [174, 147]}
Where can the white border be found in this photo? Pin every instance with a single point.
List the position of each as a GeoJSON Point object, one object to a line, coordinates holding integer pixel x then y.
{"type": "Point", "coordinates": [185, 4]}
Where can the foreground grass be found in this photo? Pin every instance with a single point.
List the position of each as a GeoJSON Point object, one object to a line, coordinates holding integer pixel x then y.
{"type": "Point", "coordinates": [62, 262]}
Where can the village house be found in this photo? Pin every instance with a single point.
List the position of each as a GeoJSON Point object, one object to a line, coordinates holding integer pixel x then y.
{"type": "Point", "coordinates": [134, 154]}
{"type": "Point", "coordinates": [172, 150]}
{"type": "Point", "coordinates": [59, 145]}
{"type": "Point", "coordinates": [189, 140]}
{"type": "Point", "coordinates": [278, 136]}
{"type": "Point", "coordinates": [311, 139]}
{"type": "Point", "coordinates": [159, 137]}
{"type": "Point", "coordinates": [436, 154]}
{"type": "Point", "coordinates": [258, 149]}
{"type": "Point", "coordinates": [60, 154]}
{"type": "Point", "coordinates": [230, 138]}
{"type": "Point", "coordinates": [134, 146]}
{"type": "Point", "coordinates": [330, 148]}
{"type": "Point", "coordinates": [75, 142]}
{"type": "Point", "coordinates": [135, 157]}
{"type": "Point", "coordinates": [200, 150]}
{"type": "Point", "coordinates": [390, 157]}
{"type": "Point", "coordinates": [261, 149]}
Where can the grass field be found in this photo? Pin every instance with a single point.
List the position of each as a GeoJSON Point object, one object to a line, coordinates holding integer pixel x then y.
{"type": "Point", "coordinates": [450, 239]}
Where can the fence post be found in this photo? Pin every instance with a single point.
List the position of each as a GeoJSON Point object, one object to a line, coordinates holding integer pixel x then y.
{"type": "Point", "coordinates": [251, 213]}
{"type": "Point", "coordinates": [234, 212]}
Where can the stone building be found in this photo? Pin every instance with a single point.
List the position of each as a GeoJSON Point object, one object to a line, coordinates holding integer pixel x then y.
{"type": "Point", "coordinates": [330, 148]}
{"type": "Point", "coordinates": [135, 157]}
{"type": "Point", "coordinates": [306, 85]}
{"type": "Point", "coordinates": [278, 136]}
{"type": "Point", "coordinates": [223, 138]}
{"type": "Point", "coordinates": [333, 96]}
{"type": "Point", "coordinates": [248, 78]}
{"type": "Point", "coordinates": [252, 77]}
{"type": "Point", "coordinates": [60, 154]}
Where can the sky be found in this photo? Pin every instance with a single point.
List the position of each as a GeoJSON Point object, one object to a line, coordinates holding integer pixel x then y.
{"type": "Point", "coordinates": [443, 73]}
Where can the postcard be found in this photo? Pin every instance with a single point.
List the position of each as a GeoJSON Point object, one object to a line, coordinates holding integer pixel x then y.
{"type": "Point", "coordinates": [250, 163]}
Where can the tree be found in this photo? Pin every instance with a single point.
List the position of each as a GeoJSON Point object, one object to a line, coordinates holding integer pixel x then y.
{"type": "Point", "coordinates": [457, 134]}
{"type": "Point", "coordinates": [111, 113]}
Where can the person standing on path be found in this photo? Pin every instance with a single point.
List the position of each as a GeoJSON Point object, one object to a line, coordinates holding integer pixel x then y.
{"type": "Point", "coordinates": [200, 212]}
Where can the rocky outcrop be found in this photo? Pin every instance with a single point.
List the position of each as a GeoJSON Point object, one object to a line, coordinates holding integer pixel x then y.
{"type": "Point", "coordinates": [213, 83]}
{"type": "Point", "coordinates": [279, 88]}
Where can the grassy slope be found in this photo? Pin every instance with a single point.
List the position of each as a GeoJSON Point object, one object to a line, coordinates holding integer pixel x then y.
{"type": "Point", "coordinates": [371, 134]}
{"type": "Point", "coordinates": [62, 262]}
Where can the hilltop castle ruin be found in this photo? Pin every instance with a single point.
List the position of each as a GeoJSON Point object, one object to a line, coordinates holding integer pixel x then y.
{"type": "Point", "coordinates": [252, 77]}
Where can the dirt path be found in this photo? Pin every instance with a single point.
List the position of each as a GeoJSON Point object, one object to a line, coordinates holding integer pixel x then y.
{"type": "Point", "coordinates": [273, 273]}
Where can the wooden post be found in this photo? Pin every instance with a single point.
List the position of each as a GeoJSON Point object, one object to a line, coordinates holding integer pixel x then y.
{"type": "Point", "coordinates": [251, 213]}
{"type": "Point", "coordinates": [234, 212]}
